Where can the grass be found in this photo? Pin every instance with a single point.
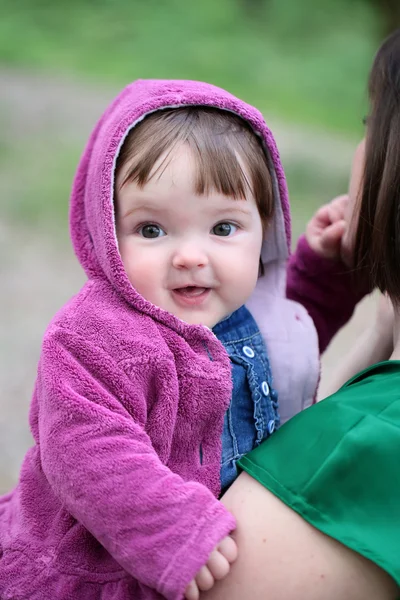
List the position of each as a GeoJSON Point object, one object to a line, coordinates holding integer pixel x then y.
{"type": "Point", "coordinates": [38, 183]}
{"type": "Point", "coordinates": [304, 61]}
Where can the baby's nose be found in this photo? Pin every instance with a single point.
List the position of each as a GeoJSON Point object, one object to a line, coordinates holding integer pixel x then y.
{"type": "Point", "coordinates": [189, 257]}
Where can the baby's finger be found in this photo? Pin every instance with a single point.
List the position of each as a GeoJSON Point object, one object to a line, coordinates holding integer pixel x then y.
{"type": "Point", "coordinates": [218, 565]}
{"type": "Point", "coordinates": [341, 200]}
{"type": "Point", "coordinates": [338, 207]}
{"type": "Point", "coordinates": [331, 238]}
{"type": "Point", "coordinates": [192, 591]}
{"type": "Point", "coordinates": [322, 217]}
{"type": "Point", "coordinates": [228, 548]}
{"type": "Point", "coordinates": [204, 579]}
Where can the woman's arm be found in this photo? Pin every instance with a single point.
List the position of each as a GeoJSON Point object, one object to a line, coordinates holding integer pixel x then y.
{"type": "Point", "coordinates": [282, 557]}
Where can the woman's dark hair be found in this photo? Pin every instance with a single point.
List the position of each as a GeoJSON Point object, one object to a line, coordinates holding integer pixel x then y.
{"type": "Point", "coordinates": [377, 241]}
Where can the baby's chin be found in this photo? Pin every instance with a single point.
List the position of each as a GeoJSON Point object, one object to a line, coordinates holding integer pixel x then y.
{"type": "Point", "coordinates": [209, 322]}
{"type": "Point", "coordinates": [203, 322]}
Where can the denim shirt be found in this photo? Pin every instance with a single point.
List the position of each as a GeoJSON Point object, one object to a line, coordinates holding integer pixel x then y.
{"type": "Point", "coordinates": [253, 412]}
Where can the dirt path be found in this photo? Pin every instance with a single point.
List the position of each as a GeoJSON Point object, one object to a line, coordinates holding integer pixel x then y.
{"type": "Point", "coordinates": [38, 275]}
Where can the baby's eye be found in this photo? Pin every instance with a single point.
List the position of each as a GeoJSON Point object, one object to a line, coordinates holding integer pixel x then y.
{"type": "Point", "coordinates": [151, 231]}
{"type": "Point", "coordinates": [224, 229]}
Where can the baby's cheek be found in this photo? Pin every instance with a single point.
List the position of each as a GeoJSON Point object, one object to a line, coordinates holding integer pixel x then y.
{"type": "Point", "coordinates": [140, 274]}
{"type": "Point", "coordinates": [245, 272]}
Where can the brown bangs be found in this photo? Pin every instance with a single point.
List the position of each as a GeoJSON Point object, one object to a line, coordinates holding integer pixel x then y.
{"type": "Point", "coordinates": [229, 157]}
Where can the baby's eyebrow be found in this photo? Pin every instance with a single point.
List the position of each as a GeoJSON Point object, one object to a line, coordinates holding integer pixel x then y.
{"type": "Point", "coordinates": [148, 207]}
{"type": "Point", "coordinates": [241, 209]}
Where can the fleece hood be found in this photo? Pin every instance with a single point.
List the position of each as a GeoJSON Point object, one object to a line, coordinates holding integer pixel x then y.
{"type": "Point", "coordinates": [92, 211]}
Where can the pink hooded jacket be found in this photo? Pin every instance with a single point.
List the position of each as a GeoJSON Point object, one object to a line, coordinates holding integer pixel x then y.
{"type": "Point", "coordinates": [114, 501]}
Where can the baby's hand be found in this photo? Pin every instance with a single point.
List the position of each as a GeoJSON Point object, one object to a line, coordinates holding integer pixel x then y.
{"type": "Point", "coordinates": [325, 230]}
{"type": "Point", "coordinates": [217, 567]}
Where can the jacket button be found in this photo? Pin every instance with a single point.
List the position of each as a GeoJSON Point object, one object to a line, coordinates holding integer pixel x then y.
{"type": "Point", "coordinates": [265, 388]}
{"type": "Point", "coordinates": [249, 352]}
{"type": "Point", "coordinates": [271, 426]}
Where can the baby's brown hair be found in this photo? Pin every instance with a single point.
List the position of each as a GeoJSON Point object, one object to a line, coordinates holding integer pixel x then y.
{"type": "Point", "coordinates": [226, 151]}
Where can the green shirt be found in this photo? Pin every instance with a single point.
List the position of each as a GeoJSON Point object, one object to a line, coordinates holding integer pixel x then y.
{"type": "Point", "coordinates": [337, 464]}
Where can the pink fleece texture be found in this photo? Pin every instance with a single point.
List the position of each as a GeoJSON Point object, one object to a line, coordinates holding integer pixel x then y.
{"type": "Point", "coordinates": [113, 500]}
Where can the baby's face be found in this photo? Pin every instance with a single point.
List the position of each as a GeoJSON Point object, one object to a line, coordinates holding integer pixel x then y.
{"type": "Point", "coordinates": [196, 257]}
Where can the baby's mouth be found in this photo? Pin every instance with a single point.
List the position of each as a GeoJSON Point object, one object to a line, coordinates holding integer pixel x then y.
{"type": "Point", "coordinates": [191, 291]}
{"type": "Point", "coordinates": [191, 295]}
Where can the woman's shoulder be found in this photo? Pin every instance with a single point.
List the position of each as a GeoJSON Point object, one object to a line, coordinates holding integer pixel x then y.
{"type": "Point", "coordinates": [383, 373]}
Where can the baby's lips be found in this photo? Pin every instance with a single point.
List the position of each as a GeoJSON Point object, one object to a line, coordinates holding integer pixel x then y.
{"type": "Point", "coordinates": [191, 290]}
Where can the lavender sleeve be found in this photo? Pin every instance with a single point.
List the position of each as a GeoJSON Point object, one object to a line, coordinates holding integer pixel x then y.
{"type": "Point", "coordinates": [100, 462]}
{"type": "Point", "coordinates": [326, 288]}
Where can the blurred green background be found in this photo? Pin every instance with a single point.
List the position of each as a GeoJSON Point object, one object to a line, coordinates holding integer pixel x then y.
{"type": "Point", "coordinates": [304, 63]}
